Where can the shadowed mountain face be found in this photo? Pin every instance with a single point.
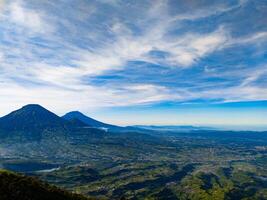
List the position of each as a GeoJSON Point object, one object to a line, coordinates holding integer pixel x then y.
{"type": "Point", "coordinates": [33, 130]}
{"type": "Point", "coordinates": [14, 186]}
{"type": "Point", "coordinates": [77, 123]}
{"type": "Point", "coordinates": [31, 117]}
{"type": "Point", "coordinates": [87, 120]}
{"type": "Point", "coordinates": [33, 122]}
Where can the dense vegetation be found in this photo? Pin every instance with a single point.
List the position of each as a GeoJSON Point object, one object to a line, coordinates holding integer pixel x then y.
{"type": "Point", "coordinates": [136, 163]}
{"type": "Point", "coordinates": [19, 187]}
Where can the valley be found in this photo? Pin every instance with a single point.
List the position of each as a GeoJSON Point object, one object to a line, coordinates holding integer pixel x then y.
{"type": "Point", "coordinates": [136, 163]}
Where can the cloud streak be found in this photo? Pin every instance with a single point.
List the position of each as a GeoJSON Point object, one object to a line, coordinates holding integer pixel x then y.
{"type": "Point", "coordinates": [50, 53]}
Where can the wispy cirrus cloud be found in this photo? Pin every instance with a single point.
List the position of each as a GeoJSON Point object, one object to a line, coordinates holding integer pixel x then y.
{"type": "Point", "coordinates": [60, 49]}
{"type": "Point", "coordinates": [26, 17]}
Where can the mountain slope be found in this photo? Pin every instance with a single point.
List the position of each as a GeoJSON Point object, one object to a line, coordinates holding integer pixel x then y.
{"type": "Point", "coordinates": [19, 187]}
{"type": "Point", "coordinates": [31, 117]}
{"type": "Point", "coordinates": [33, 130]}
{"type": "Point", "coordinates": [87, 120]}
{"type": "Point", "coordinates": [77, 123]}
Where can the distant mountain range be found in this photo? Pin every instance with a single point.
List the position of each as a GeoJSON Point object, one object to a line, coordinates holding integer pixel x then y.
{"type": "Point", "coordinates": [35, 132]}
{"type": "Point", "coordinates": [31, 117]}
{"type": "Point", "coordinates": [173, 128]}
{"type": "Point", "coordinates": [35, 135]}
{"type": "Point", "coordinates": [34, 121]}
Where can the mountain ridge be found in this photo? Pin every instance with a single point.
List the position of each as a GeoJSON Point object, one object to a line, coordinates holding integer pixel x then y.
{"type": "Point", "coordinates": [29, 117]}
{"type": "Point", "coordinates": [16, 186]}
{"type": "Point", "coordinates": [87, 120]}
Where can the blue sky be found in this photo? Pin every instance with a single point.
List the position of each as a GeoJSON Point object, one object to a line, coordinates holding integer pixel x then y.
{"type": "Point", "coordinates": [137, 62]}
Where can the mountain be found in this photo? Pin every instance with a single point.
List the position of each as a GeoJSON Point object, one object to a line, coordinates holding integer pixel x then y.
{"type": "Point", "coordinates": [77, 123]}
{"type": "Point", "coordinates": [173, 128]}
{"type": "Point", "coordinates": [30, 118]}
{"type": "Point", "coordinates": [35, 131]}
{"type": "Point", "coordinates": [20, 187]}
{"type": "Point", "coordinates": [87, 120]}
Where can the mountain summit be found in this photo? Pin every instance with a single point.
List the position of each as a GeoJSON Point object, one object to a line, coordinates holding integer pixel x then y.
{"type": "Point", "coordinates": [87, 120]}
{"type": "Point", "coordinates": [31, 117]}
{"type": "Point", "coordinates": [34, 122]}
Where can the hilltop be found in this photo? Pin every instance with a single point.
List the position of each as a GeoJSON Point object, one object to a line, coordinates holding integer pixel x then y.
{"type": "Point", "coordinates": [19, 187]}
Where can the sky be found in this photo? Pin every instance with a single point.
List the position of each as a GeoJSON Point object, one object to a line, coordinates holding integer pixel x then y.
{"type": "Point", "coordinates": [173, 62]}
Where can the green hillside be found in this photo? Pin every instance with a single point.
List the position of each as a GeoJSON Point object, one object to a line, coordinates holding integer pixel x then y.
{"type": "Point", "coordinates": [18, 187]}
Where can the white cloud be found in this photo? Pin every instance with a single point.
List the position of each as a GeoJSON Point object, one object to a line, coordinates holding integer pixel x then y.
{"type": "Point", "coordinates": [56, 66]}
{"type": "Point", "coordinates": [255, 38]}
{"type": "Point", "coordinates": [192, 47]}
{"type": "Point", "coordinates": [2, 57]}
{"type": "Point", "coordinates": [253, 76]}
{"type": "Point", "coordinates": [239, 93]}
{"type": "Point", "coordinates": [28, 18]}
{"type": "Point", "coordinates": [114, 54]}
{"type": "Point", "coordinates": [208, 12]}
{"type": "Point", "coordinates": [146, 93]}
{"type": "Point", "coordinates": [87, 97]}
{"type": "Point", "coordinates": [2, 4]}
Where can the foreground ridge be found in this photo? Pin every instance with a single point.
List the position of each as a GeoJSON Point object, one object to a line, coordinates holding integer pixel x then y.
{"type": "Point", "coordinates": [19, 187]}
